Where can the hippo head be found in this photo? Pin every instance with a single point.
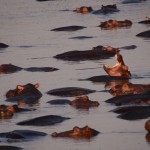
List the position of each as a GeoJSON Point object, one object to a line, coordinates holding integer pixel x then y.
{"type": "Point", "coordinates": [83, 102]}
{"type": "Point", "coordinates": [21, 90]}
{"type": "Point", "coordinates": [84, 9]}
{"type": "Point", "coordinates": [147, 126]}
{"type": "Point", "coordinates": [76, 132]}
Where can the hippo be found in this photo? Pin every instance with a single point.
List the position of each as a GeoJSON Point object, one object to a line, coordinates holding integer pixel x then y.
{"type": "Point", "coordinates": [10, 68]}
{"type": "Point", "coordinates": [7, 111]}
{"type": "Point", "coordinates": [7, 147]}
{"type": "Point", "coordinates": [126, 88]}
{"type": "Point", "coordinates": [24, 93]}
{"type": "Point", "coordinates": [43, 120]}
{"type": "Point", "coordinates": [146, 21]}
{"type": "Point", "coordinates": [84, 9]}
{"type": "Point", "coordinates": [147, 125]}
{"type": "Point", "coordinates": [98, 52]}
{"type": "Point", "coordinates": [83, 102]}
{"type": "Point", "coordinates": [3, 45]}
{"type": "Point", "coordinates": [85, 132]}
{"type": "Point", "coordinates": [132, 112]}
{"type": "Point", "coordinates": [59, 102]}
{"type": "Point", "coordinates": [81, 37]}
{"type": "Point", "coordinates": [145, 34]}
{"type": "Point", "coordinates": [132, 1]}
{"type": "Point", "coordinates": [21, 135]}
{"type": "Point", "coordinates": [115, 24]}
{"type": "Point", "coordinates": [70, 91]}
{"type": "Point", "coordinates": [69, 28]}
{"type": "Point", "coordinates": [120, 69]}
{"type": "Point", "coordinates": [140, 98]}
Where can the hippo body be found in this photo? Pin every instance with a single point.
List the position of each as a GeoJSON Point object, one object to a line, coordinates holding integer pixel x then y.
{"type": "Point", "coordinates": [25, 93]}
{"type": "Point", "coordinates": [98, 52]}
{"type": "Point", "coordinates": [83, 102]}
{"type": "Point", "coordinates": [128, 88]}
{"type": "Point", "coordinates": [115, 24]}
{"type": "Point", "coordinates": [70, 91]}
{"type": "Point", "coordinates": [107, 9]}
{"type": "Point", "coordinates": [2, 45]}
{"type": "Point", "coordinates": [85, 132]}
{"type": "Point", "coordinates": [9, 68]}
{"type": "Point", "coordinates": [143, 97]}
{"type": "Point", "coordinates": [106, 78]}
{"type": "Point", "coordinates": [6, 147]}
{"type": "Point", "coordinates": [145, 34]}
{"type": "Point", "coordinates": [59, 102]}
{"type": "Point", "coordinates": [133, 112]}
{"type": "Point", "coordinates": [144, 22]}
{"type": "Point", "coordinates": [69, 28]}
{"type": "Point", "coordinates": [132, 1]}
{"type": "Point", "coordinates": [43, 121]}
{"type": "Point", "coordinates": [18, 135]}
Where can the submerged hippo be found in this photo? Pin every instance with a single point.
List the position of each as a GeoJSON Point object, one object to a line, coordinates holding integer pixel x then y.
{"type": "Point", "coordinates": [147, 125]}
{"type": "Point", "coordinates": [83, 102]}
{"type": "Point", "coordinates": [146, 21]}
{"type": "Point", "coordinates": [7, 147]}
{"type": "Point", "coordinates": [69, 28]}
{"type": "Point", "coordinates": [20, 135]}
{"type": "Point", "coordinates": [120, 69]}
{"type": "Point", "coordinates": [126, 88]}
{"type": "Point", "coordinates": [70, 91]}
{"type": "Point", "coordinates": [10, 68]}
{"type": "Point", "coordinates": [132, 112]}
{"type": "Point", "coordinates": [132, 1]}
{"type": "Point", "coordinates": [145, 34]}
{"type": "Point", "coordinates": [7, 111]}
{"type": "Point", "coordinates": [76, 132]}
{"type": "Point", "coordinates": [141, 98]}
{"type": "Point", "coordinates": [115, 24]}
{"type": "Point", "coordinates": [44, 120]}
{"type": "Point", "coordinates": [25, 93]}
{"type": "Point", "coordinates": [99, 52]}
{"type": "Point", "coordinates": [84, 9]}
{"type": "Point", "coordinates": [2, 45]}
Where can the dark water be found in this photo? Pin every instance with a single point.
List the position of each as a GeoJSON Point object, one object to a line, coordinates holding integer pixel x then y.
{"type": "Point", "coordinates": [25, 25]}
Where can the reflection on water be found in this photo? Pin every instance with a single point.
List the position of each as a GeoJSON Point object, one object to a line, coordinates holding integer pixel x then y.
{"type": "Point", "coordinates": [25, 26]}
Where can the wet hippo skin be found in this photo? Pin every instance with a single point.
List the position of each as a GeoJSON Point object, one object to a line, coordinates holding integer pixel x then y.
{"type": "Point", "coordinates": [10, 68]}
{"type": "Point", "coordinates": [98, 52]}
{"type": "Point", "coordinates": [19, 135]}
{"type": "Point", "coordinates": [141, 98]}
{"type": "Point", "coordinates": [5, 147]}
{"type": "Point", "coordinates": [83, 102]}
{"type": "Point", "coordinates": [84, 9]}
{"type": "Point", "coordinates": [110, 24]}
{"type": "Point", "coordinates": [126, 88]}
{"type": "Point", "coordinates": [43, 120]}
{"type": "Point", "coordinates": [145, 34]}
{"type": "Point", "coordinates": [76, 132]}
{"type": "Point", "coordinates": [69, 28]}
{"type": "Point", "coordinates": [132, 112]}
{"type": "Point", "coordinates": [70, 91]}
{"type": "Point", "coordinates": [59, 102]}
{"type": "Point", "coordinates": [25, 93]}
{"type": "Point", "coordinates": [3, 45]}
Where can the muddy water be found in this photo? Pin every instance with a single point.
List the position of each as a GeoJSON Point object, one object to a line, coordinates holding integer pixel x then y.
{"type": "Point", "coordinates": [26, 25]}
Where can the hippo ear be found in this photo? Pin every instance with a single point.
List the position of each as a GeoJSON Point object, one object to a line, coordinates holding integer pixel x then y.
{"type": "Point", "coordinates": [20, 87]}
{"type": "Point", "coordinates": [37, 85]}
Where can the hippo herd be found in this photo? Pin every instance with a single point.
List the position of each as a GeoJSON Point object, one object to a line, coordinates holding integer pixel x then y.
{"type": "Point", "coordinates": [132, 100]}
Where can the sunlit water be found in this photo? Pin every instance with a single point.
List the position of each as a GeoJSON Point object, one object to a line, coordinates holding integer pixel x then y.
{"type": "Point", "coordinates": [25, 25]}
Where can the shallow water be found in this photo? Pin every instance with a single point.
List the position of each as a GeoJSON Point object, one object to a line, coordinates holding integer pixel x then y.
{"type": "Point", "coordinates": [26, 25]}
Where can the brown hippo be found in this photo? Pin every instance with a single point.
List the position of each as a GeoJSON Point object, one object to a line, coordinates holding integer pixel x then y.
{"type": "Point", "coordinates": [76, 132]}
{"type": "Point", "coordinates": [7, 111]}
{"type": "Point", "coordinates": [147, 126]}
{"type": "Point", "coordinates": [98, 52]}
{"type": "Point", "coordinates": [83, 102]}
{"type": "Point", "coordinates": [25, 93]}
{"type": "Point", "coordinates": [115, 24]}
{"type": "Point", "coordinates": [120, 69]}
{"type": "Point", "coordinates": [114, 6]}
{"type": "Point", "coordinates": [84, 9]}
{"type": "Point", "coordinates": [126, 88]}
